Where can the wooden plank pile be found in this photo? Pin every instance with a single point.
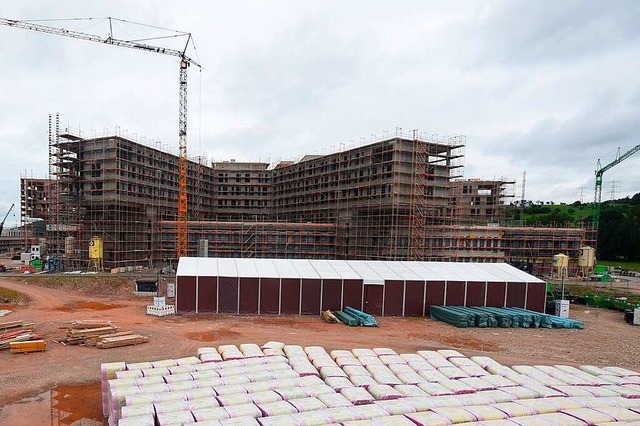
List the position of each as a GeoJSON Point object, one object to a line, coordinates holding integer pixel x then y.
{"type": "Point", "coordinates": [16, 331]}
{"type": "Point", "coordinates": [114, 342]}
{"type": "Point", "coordinates": [101, 334]}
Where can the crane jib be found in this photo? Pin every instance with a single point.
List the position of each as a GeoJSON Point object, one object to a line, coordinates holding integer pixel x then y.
{"type": "Point", "coordinates": [185, 61]}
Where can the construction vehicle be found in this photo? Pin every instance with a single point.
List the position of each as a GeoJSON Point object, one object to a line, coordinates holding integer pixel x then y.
{"type": "Point", "coordinates": [599, 172]}
{"type": "Point", "coordinates": [5, 218]}
{"type": "Point", "coordinates": [185, 62]}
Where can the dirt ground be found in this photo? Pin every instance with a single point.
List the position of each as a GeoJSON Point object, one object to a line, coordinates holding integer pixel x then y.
{"type": "Point", "coordinates": [606, 339]}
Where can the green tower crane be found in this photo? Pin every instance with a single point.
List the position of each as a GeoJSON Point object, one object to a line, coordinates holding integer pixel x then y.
{"type": "Point", "coordinates": [599, 172]}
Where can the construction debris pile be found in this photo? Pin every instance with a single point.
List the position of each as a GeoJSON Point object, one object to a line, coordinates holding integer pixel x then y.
{"type": "Point", "coordinates": [279, 384]}
{"type": "Point", "coordinates": [479, 316]}
{"type": "Point", "coordinates": [15, 335]}
{"type": "Point", "coordinates": [99, 333]}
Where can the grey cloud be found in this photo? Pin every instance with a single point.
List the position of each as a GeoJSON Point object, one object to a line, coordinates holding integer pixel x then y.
{"type": "Point", "coordinates": [544, 86]}
{"type": "Point", "coordinates": [529, 32]}
{"type": "Point", "coordinates": [599, 129]}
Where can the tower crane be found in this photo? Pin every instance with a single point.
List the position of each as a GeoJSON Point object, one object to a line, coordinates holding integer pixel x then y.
{"type": "Point", "coordinates": [599, 172]}
{"type": "Point", "coordinates": [185, 62]}
{"type": "Point", "coordinates": [5, 218]}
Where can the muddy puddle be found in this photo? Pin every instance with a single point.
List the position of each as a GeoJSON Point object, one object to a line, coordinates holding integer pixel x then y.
{"type": "Point", "coordinates": [61, 406]}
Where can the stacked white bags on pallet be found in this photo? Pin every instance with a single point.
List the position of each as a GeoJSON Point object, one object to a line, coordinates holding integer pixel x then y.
{"type": "Point", "coordinates": [277, 384]}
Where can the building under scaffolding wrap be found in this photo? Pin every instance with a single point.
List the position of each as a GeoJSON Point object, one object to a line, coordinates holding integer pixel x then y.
{"type": "Point", "coordinates": [402, 197]}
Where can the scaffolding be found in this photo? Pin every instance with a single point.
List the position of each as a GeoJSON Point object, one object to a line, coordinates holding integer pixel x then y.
{"type": "Point", "coordinates": [532, 248]}
{"type": "Point", "coordinates": [116, 189]}
{"type": "Point", "coordinates": [259, 239]}
{"type": "Point", "coordinates": [398, 197]}
{"type": "Point", "coordinates": [387, 193]}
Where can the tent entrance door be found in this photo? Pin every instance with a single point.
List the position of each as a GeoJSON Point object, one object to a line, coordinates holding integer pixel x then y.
{"type": "Point", "coordinates": [373, 299]}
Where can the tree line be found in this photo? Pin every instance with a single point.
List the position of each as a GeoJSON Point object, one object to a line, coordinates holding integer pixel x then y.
{"type": "Point", "coordinates": [618, 230]}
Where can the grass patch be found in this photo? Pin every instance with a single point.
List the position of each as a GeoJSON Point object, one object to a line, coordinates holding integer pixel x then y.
{"type": "Point", "coordinates": [583, 290]}
{"type": "Point", "coordinates": [628, 265]}
{"type": "Point", "coordinates": [12, 297]}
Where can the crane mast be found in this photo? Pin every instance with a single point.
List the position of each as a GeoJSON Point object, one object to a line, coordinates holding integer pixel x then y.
{"type": "Point", "coordinates": [185, 62]}
{"type": "Point", "coordinates": [599, 173]}
{"type": "Point", "coordinates": [182, 243]}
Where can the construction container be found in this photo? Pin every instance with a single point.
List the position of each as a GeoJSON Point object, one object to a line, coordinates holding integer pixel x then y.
{"type": "Point", "coordinates": [25, 258]}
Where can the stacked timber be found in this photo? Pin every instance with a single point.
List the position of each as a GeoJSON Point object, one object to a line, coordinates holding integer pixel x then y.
{"type": "Point", "coordinates": [117, 341]}
{"type": "Point", "coordinates": [16, 331]}
{"type": "Point", "coordinates": [80, 336]}
{"type": "Point", "coordinates": [99, 333]}
{"type": "Point", "coordinates": [84, 324]}
{"type": "Point", "coordinates": [6, 326]}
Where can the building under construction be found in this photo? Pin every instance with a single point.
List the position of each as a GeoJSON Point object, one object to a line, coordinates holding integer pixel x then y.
{"type": "Point", "coordinates": [402, 197]}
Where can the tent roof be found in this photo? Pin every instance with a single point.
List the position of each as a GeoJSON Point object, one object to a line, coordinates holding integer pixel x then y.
{"type": "Point", "coordinates": [370, 272]}
{"type": "Point", "coordinates": [266, 268]}
{"type": "Point", "coordinates": [303, 269]}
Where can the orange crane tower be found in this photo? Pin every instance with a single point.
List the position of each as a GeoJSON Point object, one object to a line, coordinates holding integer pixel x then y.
{"type": "Point", "coordinates": [185, 62]}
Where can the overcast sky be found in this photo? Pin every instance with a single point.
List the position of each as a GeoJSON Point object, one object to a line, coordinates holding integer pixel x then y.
{"type": "Point", "coordinates": [543, 86]}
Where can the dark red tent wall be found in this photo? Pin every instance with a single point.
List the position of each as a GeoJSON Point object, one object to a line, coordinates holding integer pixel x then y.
{"type": "Point", "coordinates": [207, 294]}
{"type": "Point", "coordinates": [476, 292]}
{"type": "Point", "coordinates": [454, 293]}
{"type": "Point", "coordinates": [311, 288]}
{"type": "Point", "coordinates": [269, 295]}
{"type": "Point", "coordinates": [393, 298]}
{"type": "Point", "coordinates": [228, 295]}
{"type": "Point", "coordinates": [516, 293]}
{"type": "Point", "coordinates": [414, 298]}
{"type": "Point", "coordinates": [536, 296]}
{"type": "Point", "coordinates": [290, 296]}
{"type": "Point", "coordinates": [352, 294]}
{"type": "Point", "coordinates": [186, 294]}
{"type": "Point", "coordinates": [248, 300]}
{"type": "Point", "coordinates": [435, 294]}
{"type": "Point", "coordinates": [496, 292]}
{"type": "Point", "coordinates": [332, 295]}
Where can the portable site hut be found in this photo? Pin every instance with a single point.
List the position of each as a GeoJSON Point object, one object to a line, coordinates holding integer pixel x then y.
{"type": "Point", "coordinates": [386, 288]}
